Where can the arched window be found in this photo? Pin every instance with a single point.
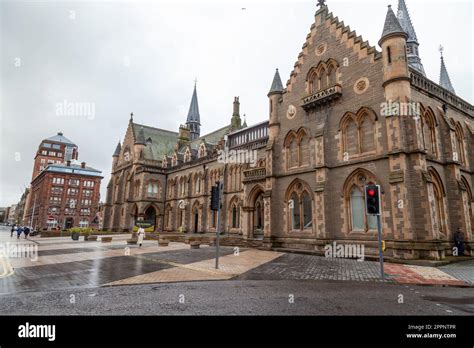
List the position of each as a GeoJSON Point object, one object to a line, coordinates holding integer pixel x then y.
{"type": "Point", "coordinates": [293, 153]}
{"type": "Point", "coordinates": [235, 215]}
{"type": "Point", "coordinates": [300, 207]}
{"type": "Point", "coordinates": [304, 149]}
{"type": "Point", "coordinates": [323, 76]}
{"type": "Point", "coordinates": [136, 189]}
{"type": "Point", "coordinates": [438, 193]}
{"type": "Point", "coordinates": [459, 154]}
{"type": "Point", "coordinates": [298, 150]}
{"type": "Point", "coordinates": [353, 189]}
{"type": "Point", "coordinates": [428, 131]}
{"type": "Point", "coordinates": [153, 189]}
{"type": "Point", "coordinates": [359, 132]}
{"type": "Point", "coordinates": [367, 138]}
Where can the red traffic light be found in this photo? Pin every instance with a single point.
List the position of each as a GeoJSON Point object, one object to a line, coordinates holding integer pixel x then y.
{"type": "Point", "coordinates": [371, 192]}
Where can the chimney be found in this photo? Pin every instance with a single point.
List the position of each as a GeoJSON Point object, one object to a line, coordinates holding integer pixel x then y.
{"type": "Point", "coordinates": [83, 164]}
{"type": "Point", "coordinates": [68, 163]}
{"type": "Point", "coordinates": [60, 133]}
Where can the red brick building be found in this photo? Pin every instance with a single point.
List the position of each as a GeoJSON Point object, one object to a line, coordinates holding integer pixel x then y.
{"type": "Point", "coordinates": [64, 192]}
{"type": "Point", "coordinates": [65, 195]}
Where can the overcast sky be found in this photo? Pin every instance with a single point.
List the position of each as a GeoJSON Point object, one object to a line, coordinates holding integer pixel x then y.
{"type": "Point", "coordinates": [119, 57]}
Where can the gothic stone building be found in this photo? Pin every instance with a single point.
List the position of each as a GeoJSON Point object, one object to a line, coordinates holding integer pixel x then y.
{"type": "Point", "coordinates": [350, 115]}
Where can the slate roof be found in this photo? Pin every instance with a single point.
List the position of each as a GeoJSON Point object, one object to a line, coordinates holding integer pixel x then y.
{"type": "Point", "coordinates": [162, 141]}
{"type": "Point", "coordinates": [392, 25]}
{"type": "Point", "coordinates": [60, 138]}
{"type": "Point", "coordinates": [193, 113]}
{"type": "Point", "coordinates": [277, 86]}
{"type": "Point", "coordinates": [444, 80]}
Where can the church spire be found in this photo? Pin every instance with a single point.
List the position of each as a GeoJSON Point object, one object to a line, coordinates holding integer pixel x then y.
{"type": "Point", "coordinates": [193, 122]}
{"type": "Point", "coordinates": [403, 16]}
{"type": "Point", "coordinates": [444, 80]}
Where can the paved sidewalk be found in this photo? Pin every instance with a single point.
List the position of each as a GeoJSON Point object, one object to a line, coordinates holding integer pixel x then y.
{"type": "Point", "coordinates": [64, 263]}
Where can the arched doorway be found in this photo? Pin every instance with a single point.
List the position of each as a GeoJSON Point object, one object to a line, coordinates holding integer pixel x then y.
{"type": "Point", "coordinates": [69, 223]}
{"type": "Point", "coordinates": [196, 217]}
{"type": "Point", "coordinates": [150, 217]}
{"type": "Point", "coordinates": [257, 212]}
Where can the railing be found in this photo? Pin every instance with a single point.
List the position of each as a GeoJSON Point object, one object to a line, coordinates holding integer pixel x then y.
{"type": "Point", "coordinates": [254, 174]}
{"type": "Point", "coordinates": [249, 135]}
{"type": "Point", "coordinates": [429, 86]}
{"type": "Point", "coordinates": [321, 97]}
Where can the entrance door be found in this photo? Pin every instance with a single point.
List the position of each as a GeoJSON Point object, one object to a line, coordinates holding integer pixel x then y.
{"type": "Point", "coordinates": [69, 223]}
{"type": "Point", "coordinates": [196, 220]}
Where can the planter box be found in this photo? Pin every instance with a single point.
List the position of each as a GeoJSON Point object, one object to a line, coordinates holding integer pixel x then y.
{"type": "Point", "coordinates": [132, 241]}
{"type": "Point", "coordinates": [106, 239]}
{"type": "Point", "coordinates": [90, 238]}
{"type": "Point", "coordinates": [163, 242]}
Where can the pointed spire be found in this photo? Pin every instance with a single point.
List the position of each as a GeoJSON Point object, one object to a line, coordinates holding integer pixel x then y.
{"type": "Point", "coordinates": [193, 120]}
{"type": "Point", "coordinates": [193, 113]}
{"type": "Point", "coordinates": [277, 86]}
{"type": "Point", "coordinates": [444, 80]}
{"type": "Point", "coordinates": [391, 27]}
{"type": "Point", "coordinates": [244, 125]}
{"type": "Point", "coordinates": [140, 140]}
{"type": "Point", "coordinates": [117, 150]}
{"type": "Point", "coordinates": [235, 120]}
{"type": "Point", "coordinates": [414, 60]}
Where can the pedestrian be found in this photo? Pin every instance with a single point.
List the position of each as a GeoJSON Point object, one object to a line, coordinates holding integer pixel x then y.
{"type": "Point", "coordinates": [141, 235]}
{"type": "Point", "coordinates": [26, 231]}
{"type": "Point", "coordinates": [459, 241]}
{"type": "Point", "coordinates": [19, 232]}
{"type": "Point", "coordinates": [13, 230]}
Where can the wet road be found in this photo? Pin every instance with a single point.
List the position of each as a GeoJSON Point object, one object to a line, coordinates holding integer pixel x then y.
{"type": "Point", "coordinates": [69, 277]}
{"type": "Point", "coordinates": [250, 297]}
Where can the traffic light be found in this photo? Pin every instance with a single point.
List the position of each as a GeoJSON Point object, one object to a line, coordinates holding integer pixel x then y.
{"type": "Point", "coordinates": [215, 197]}
{"type": "Point", "coordinates": [372, 199]}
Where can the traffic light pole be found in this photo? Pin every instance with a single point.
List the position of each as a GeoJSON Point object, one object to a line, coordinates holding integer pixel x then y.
{"type": "Point", "coordinates": [379, 228]}
{"type": "Point", "coordinates": [218, 230]}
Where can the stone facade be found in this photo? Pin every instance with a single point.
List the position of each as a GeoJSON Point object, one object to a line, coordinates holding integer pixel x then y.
{"type": "Point", "coordinates": [349, 115]}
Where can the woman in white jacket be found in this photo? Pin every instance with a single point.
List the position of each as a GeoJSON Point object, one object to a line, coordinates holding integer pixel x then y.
{"type": "Point", "coordinates": [141, 235]}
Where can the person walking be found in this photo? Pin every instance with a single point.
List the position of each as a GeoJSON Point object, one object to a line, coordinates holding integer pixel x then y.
{"type": "Point", "coordinates": [13, 230]}
{"type": "Point", "coordinates": [26, 231]}
{"type": "Point", "coordinates": [141, 235]}
{"type": "Point", "coordinates": [459, 241]}
{"type": "Point", "coordinates": [18, 232]}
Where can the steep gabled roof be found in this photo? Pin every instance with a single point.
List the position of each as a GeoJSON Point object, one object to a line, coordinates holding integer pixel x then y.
{"type": "Point", "coordinates": [162, 141]}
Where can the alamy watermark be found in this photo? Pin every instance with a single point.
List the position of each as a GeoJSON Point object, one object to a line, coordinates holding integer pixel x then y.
{"type": "Point", "coordinates": [345, 251]}
{"type": "Point", "coordinates": [237, 156]}
{"type": "Point", "coordinates": [17, 251]}
{"type": "Point", "coordinates": [82, 109]}
{"type": "Point", "coordinates": [396, 108]}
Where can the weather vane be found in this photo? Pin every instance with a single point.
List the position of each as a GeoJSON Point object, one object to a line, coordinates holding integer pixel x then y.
{"type": "Point", "coordinates": [441, 49]}
{"type": "Point", "coordinates": [321, 3]}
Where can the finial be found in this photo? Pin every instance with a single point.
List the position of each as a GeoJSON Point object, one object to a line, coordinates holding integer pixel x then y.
{"type": "Point", "coordinates": [131, 116]}
{"type": "Point", "coordinates": [195, 82]}
{"type": "Point", "coordinates": [441, 49]}
{"type": "Point", "coordinates": [321, 3]}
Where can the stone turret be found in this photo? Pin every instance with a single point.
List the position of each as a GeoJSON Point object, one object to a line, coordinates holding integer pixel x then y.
{"type": "Point", "coordinates": [396, 76]}
{"type": "Point", "coordinates": [140, 144]}
{"type": "Point", "coordinates": [116, 154]}
{"type": "Point", "coordinates": [274, 96]}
